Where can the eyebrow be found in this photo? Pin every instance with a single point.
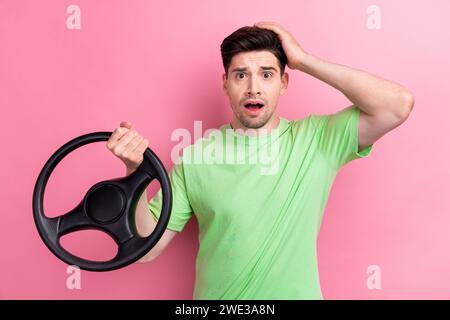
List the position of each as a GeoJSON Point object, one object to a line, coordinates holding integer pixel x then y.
{"type": "Point", "coordinates": [245, 69]}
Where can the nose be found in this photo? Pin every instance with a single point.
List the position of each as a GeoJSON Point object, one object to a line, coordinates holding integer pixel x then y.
{"type": "Point", "coordinates": [253, 88]}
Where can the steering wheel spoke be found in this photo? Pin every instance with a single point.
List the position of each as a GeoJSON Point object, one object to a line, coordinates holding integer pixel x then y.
{"type": "Point", "coordinates": [74, 220]}
{"type": "Point", "coordinates": [136, 182]}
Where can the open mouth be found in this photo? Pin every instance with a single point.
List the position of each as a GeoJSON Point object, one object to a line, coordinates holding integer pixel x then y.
{"type": "Point", "coordinates": [253, 107]}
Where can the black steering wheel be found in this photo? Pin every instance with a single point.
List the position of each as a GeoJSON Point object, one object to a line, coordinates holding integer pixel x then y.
{"type": "Point", "coordinates": [108, 206]}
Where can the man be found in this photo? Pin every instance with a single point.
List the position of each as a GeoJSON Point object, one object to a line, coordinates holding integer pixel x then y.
{"type": "Point", "coordinates": [258, 229]}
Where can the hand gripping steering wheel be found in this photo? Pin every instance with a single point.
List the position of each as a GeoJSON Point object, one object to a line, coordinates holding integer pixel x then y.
{"type": "Point", "coordinates": [108, 206]}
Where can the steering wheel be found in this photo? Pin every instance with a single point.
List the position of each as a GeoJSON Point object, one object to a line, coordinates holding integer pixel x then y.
{"type": "Point", "coordinates": [108, 206]}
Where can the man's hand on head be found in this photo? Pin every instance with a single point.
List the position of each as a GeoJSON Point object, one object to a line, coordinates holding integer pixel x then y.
{"type": "Point", "coordinates": [294, 52]}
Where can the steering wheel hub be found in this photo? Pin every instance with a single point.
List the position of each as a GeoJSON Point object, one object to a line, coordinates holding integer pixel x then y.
{"type": "Point", "coordinates": [105, 203]}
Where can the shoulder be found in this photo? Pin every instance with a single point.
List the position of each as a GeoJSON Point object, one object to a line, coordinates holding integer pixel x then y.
{"type": "Point", "coordinates": [310, 122]}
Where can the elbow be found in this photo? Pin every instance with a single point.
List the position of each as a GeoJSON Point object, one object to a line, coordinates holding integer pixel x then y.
{"type": "Point", "coordinates": [143, 260]}
{"type": "Point", "coordinates": [409, 101]}
{"type": "Point", "coordinates": [406, 106]}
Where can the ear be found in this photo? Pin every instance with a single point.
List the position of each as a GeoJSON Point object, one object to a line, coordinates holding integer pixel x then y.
{"type": "Point", "coordinates": [284, 83]}
{"type": "Point", "coordinates": [224, 83]}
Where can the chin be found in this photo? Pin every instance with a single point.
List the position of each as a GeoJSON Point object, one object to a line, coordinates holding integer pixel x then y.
{"type": "Point", "coordinates": [254, 123]}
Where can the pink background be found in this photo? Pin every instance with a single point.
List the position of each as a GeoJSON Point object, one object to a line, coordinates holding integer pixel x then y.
{"type": "Point", "coordinates": [157, 64]}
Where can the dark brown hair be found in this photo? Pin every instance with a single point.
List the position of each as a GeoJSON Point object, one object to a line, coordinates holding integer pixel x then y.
{"type": "Point", "coordinates": [252, 39]}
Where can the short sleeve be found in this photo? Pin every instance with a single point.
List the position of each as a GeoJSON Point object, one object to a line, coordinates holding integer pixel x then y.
{"type": "Point", "coordinates": [339, 137]}
{"type": "Point", "coordinates": [181, 208]}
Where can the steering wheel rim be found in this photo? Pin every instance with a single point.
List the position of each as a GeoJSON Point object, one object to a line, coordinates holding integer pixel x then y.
{"type": "Point", "coordinates": [115, 216]}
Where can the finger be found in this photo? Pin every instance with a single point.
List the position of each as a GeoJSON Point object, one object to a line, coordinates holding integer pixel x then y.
{"type": "Point", "coordinates": [263, 24]}
{"type": "Point", "coordinates": [268, 25]}
{"type": "Point", "coordinates": [116, 136]}
{"type": "Point", "coordinates": [141, 147]}
{"type": "Point", "coordinates": [124, 127]}
{"type": "Point", "coordinates": [126, 124]}
{"type": "Point", "coordinates": [132, 145]}
{"type": "Point", "coordinates": [121, 145]}
{"type": "Point", "coordinates": [138, 153]}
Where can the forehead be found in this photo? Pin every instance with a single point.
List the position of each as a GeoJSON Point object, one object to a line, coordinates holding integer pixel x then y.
{"type": "Point", "coordinates": [254, 59]}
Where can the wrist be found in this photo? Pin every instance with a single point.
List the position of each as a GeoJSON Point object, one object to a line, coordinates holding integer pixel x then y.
{"type": "Point", "coordinates": [304, 62]}
{"type": "Point", "coordinates": [130, 170]}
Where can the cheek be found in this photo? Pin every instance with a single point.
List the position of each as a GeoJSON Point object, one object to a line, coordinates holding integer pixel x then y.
{"type": "Point", "coordinates": [236, 88]}
{"type": "Point", "coordinates": [234, 94]}
{"type": "Point", "coordinates": [274, 102]}
{"type": "Point", "coordinates": [273, 95]}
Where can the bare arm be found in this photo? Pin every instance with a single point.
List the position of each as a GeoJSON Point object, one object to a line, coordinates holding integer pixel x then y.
{"type": "Point", "coordinates": [145, 224]}
{"type": "Point", "coordinates": [384, 104]}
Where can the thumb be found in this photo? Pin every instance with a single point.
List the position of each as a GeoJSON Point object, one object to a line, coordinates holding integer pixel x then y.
{"type": "Point", "coordinates": [126, 124]}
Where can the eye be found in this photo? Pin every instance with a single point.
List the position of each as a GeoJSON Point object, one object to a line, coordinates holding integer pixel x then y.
{"type": "Point", "coordinates": [240, 75]}
{"type": "Point", "coordinates": [267, 75]}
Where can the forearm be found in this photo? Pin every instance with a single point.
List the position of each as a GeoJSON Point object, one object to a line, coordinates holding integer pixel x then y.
{"type": "Point", "coordinates": [371, 94]}
{"type": "Point", "coordinates": [144, 220]}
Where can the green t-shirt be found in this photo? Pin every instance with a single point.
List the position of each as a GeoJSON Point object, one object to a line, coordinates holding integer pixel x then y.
{"type": "Point", "coordinates": [259, 220]}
